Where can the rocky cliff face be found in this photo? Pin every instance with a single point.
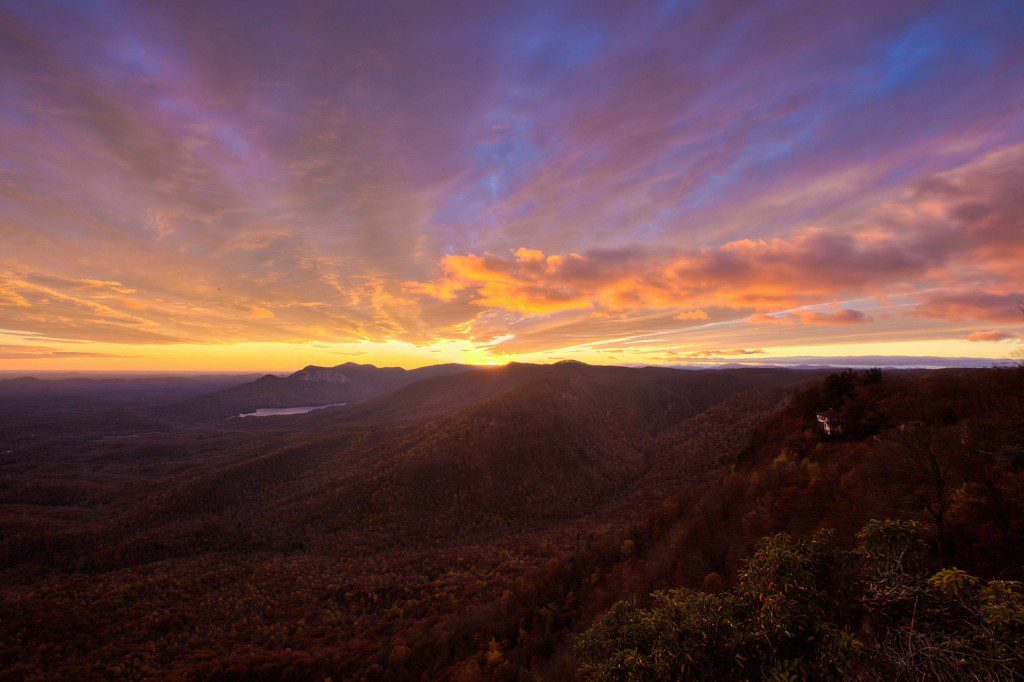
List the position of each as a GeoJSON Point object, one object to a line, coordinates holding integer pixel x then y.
{"type": "Point", "coordinates": [327, 375]}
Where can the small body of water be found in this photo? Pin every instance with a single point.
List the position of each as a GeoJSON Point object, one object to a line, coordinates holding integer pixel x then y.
{"type": "Point", "coordinates": [279, 411]}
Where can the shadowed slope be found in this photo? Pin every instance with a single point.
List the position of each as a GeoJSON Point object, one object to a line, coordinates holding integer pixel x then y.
{"type": "Point", "coordinates": [502, 448]}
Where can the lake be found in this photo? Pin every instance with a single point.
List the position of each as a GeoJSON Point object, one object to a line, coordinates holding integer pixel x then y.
{"type": "Point", "coordinates": [279, 411]}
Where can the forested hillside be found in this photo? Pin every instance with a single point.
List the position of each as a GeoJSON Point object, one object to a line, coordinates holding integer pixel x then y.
{"type": "Point", "coordinates": [842, 594]}
{"type": "Point", "coordinates": [474, 525]}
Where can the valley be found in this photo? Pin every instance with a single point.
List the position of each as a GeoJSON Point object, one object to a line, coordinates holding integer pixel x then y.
{"type": "Point", "coordinates": [484, 515]}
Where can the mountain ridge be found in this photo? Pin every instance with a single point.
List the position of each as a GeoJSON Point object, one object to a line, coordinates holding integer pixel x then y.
{"type": "Point", "coordinates": [312, 385]}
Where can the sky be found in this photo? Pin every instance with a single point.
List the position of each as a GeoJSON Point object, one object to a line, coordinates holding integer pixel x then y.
{"type": "Point", "coordinates": [261, 186]}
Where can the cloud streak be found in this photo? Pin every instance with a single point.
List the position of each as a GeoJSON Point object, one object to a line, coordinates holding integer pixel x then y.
{"type": "Point", "coordinates": [994, 335]}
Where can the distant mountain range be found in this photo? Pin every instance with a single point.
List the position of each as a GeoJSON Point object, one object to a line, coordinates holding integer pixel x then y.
{"type": "Point", "coordinates": [852, 361]}
{"type": "Point", "coordinates": [312, 385]}
{"type": "Point", "coordinates": [110, 391]}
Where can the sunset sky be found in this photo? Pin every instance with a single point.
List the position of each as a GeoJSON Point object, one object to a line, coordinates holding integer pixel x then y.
{"type": "Point", "coordinates": [224, 186]}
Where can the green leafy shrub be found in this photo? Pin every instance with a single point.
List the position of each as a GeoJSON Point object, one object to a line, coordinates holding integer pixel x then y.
{"type": "Point", "coordinates": [808, 609]}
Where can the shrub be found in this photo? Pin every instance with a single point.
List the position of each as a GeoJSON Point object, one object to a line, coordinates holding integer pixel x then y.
{"type": "Point", "coordinates": [808, 609]}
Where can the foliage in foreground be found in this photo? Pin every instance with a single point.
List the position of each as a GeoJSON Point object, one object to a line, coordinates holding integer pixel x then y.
{"type": "Point", "coordinates": [810, 610]}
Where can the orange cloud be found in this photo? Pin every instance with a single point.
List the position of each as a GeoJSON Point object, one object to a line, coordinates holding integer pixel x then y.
{"type": "Point", "coordinates": [763, 275]}
{"type": "Point", "coordinates": [529, 282]}
{"type": "Point", "coordinates": [841, 317]}
{"type": "Point", "coordinates": [727, 352]}
{"type": "Point", "coordinates": [33, 352]}
{"type": "Point", "coordinates": [260, 313]}
{"type": "Point", "coordinates": [691, 315]}
{"type": "Point", "coordinates": [830, 318]}
{"type": "Point", "coordinates": [950, 242]}
{"type": "Point", "coordinates": [764, 318]}
{"type": "Point", "coordinates": [994, 335]}
{"type": "Point", "coordinates": [991, 306]}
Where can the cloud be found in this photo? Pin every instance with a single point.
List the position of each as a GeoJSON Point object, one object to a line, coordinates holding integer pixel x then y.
{"type": "Point", "coordinates": [726, 353]}
{"type": "Point", "coordinates": [961, 305]}
{"type": "Point", "coordinates": [28, 352]}
{"type": "Point", "coordinates": [532, 283]}
{"type": "Point", "coordinates": [832, 317]}
{"type": "Point", "coordinates": [764, 275]}
{"type": "Point", "coordinates": [994, 335]}
{"type": "Point", "coordinates": [260, 313]}
{"type": "Point", "coordinates": [928, 242]}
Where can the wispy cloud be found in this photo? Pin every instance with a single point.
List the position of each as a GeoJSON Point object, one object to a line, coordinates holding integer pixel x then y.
{"type": "Point", "coordinates": [993, 335]}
